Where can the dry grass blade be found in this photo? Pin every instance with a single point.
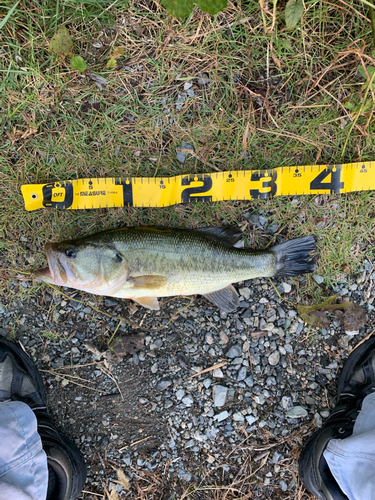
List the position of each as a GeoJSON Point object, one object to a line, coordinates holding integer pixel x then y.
{"type": "Point", "coordinates": [122, 478]}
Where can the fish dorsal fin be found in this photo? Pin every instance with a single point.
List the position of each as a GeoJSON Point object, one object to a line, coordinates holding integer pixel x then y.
{"type": "Point", "coordinates": [231, 235]}
{"type": "Point", "coordinates": [225, 299]}
{"type": "Point", "coordinates": [149, 282]}
{"type": "Point", "coordinates": [149, 302]}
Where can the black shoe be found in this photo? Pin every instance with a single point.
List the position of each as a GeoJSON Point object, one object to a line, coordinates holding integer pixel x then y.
{"type": "Point", "coordinates": [21, 381]}
{"type": "Point", "coordinates": [357, 380]}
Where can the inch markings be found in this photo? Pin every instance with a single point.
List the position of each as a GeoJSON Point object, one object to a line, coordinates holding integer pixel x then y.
{"type": "Point", "coordinates": [93, 193]}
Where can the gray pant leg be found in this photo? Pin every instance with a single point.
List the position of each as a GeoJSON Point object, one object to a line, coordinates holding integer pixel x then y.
{"type": "Point", "coordinates": [23, 462]}
{"type": "Point", "coordinates": [352, 460]}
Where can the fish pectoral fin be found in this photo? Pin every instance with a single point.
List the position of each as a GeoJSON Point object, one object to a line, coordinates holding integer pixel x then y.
{"type": "Point", "coordinates": [149, 302]}
{"type": "Point", "coordinates": [149, 282]}
{"type": "Point", "coordinates": [226, 299]}
{"type": "Point", "coordinates": [231, 235]}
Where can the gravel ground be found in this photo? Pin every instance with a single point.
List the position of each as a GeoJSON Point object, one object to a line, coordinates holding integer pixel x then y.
{"type": "Point", "coordinates": [231, 431]}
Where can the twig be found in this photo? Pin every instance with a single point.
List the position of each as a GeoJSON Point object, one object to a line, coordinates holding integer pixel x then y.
{"type": "Point", "coordinates": [290, 136]}
{"type": "Point", "coordinates": [364, 339]}
{"type": "Point", "coordinates": [91, 493]}
{"type": "Point", "coordinates": [114, 333]}
{"type": "Point", "coordinates": [135, 442]}
{"type": "Point", "coordinates": [71, 381]}
{"type": "Point", "coordinates": [219, 365]}
{"type": "Point", "coordinates": [280, 297]}
{"type": "Point", "coordinates": [110, 375]}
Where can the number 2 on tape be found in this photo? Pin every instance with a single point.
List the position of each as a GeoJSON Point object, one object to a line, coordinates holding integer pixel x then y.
{"type": "Point", "coordinates": [188, 194]}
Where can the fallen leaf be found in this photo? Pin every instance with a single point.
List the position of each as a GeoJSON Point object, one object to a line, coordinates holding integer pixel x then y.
{"type": "Point", "coordinates": [123, 479]}
{"type": "Point", "coordinates": [121, 346]}
{"type": "Point", "coordinates": [61, 42]}
{"type": "Point", "coordinates": [293, 12]}
{"type": "Point", "coordinates": [111, 63]}
{"type": "Point", "coordinates": [352, 316]}
{"type": "Point", "coordinates": [118, 52]}
{"type": "Point", "coordinates": [78, 63]}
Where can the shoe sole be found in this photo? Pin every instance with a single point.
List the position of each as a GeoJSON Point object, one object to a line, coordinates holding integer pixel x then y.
{"type": "Point", "coordinates": [26, 365]}
{"type": "Point", "coordinates": [357, 357]}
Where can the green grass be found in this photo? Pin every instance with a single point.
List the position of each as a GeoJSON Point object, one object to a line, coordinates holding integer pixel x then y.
{"type": "Point", "coordinates": [49, 128]}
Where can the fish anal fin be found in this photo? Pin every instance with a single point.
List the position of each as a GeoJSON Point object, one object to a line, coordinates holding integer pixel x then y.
{"type": "Point", "coordinates": [149, 282]}
{"type": "Point", "coordinates": [148, 302]}
{"type": "Point", "coordinates": [231, 235]}
{"type": "Point", "coordinates": [226, 299]}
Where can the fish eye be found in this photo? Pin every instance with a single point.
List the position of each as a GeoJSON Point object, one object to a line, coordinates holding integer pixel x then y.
{"type": "Point", "coordinates": [71, 253]}
{"type": "Point", "coordinates": [118, 258]}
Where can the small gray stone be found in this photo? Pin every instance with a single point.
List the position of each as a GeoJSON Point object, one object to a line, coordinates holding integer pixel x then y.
{"type": "Point", "coordinates": [318, 420]}
{"type": "Point", "coordinates": [245, 292]}
{"type": "Point", "coordinates": [296, 412]}
{"type": "Point", "coordinates": [283, 485]}
{"type": "Point", "coordinates": [109, 302]}
{"type": "Point", "coordinates": [242, 373]}
{"type": "Point", "coordinates": [221, 416]}
{"type": "Point", "coordinates": [238, 417]}
{"type": "Point", "coordinates": [207, 382]}
{"type": "Point", "coordinates": [190, 92]}
{"type": "Point", "coordinates": [180, 394]}
{"type": "Point", "coordinates": [75, 305]}
{"type": "Point", "coordinates": [274, 358]}
{"type": "Point", "coordinates": [217, 373]}
{"type": "Point", "coordinates": [262, 220]}
{"type": "Point", "coordinates": [2, 309]}
{"type": "Point", "coordinates": [163, 384]}
{"type": "Point", "coordinates": [260, 399]}
{"type": "Point", "coordinates": [4, 332]}
{"type": "Point", "coordinates": [272, 228]}
{"type": "Point", "coordinates": [180, 99]}
{"type": "Point", "coordinates": [318, 279]}
{"type": "Point", "coordinates": [250, 419]}
{"type": "Point", "coordinates": [234, 351]}
{"type": "Point", "coordinates": [181, 157]}
{"type": "Point", "coordinates": [286, 402]}
{"type": "Point", "coordinates": [249, 381]}
{"type": "Point", "coordinates": [187, 85]}
{"type": "Point", "coordinates": [287, 288]}
{"type": "Point", "coordinates": [199, 436]}
{"type": "Point", "coordinates": [203, 79]}
{"type": "Point", "coordinates": [220, 395]}
{"type": "Point", "coordinates": [253, 219]}
{"type": "Point", "coordinates": [188, 400]}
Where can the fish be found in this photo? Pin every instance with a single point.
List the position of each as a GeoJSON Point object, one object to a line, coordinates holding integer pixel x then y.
{"type": "Point", "coordinates": [146, 263]}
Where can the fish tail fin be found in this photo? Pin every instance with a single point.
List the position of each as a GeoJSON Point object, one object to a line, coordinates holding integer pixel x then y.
{"type": "Point", "coordinates": [294, 256]}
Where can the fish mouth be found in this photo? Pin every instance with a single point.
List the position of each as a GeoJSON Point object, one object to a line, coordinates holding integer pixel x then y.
{"type": "Point", "coordinates": [55, 272]}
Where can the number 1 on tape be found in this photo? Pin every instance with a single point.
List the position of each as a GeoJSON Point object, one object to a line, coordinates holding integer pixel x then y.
{"type": "Point", "coordinates": [191, 188]}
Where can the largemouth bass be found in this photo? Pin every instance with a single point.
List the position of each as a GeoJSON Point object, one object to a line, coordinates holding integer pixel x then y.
{"type": "Point", "coordinates": [143, 263]}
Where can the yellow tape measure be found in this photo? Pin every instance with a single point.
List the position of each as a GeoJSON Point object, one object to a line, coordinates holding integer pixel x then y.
{"type": "Point", "coordinates": [190, 188]}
